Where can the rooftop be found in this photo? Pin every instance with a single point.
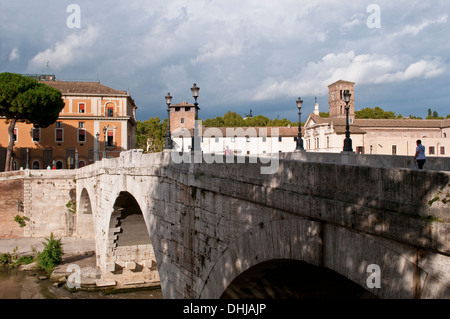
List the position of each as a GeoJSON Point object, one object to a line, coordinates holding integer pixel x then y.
{"type": "Point", "coordinates": [69, 87]}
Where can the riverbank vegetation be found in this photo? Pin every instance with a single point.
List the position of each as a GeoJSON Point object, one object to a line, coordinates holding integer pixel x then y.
{"type": "Point", "coordinates": [46, 260]}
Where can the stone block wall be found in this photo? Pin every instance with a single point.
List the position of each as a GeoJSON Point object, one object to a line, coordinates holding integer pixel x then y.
{"type": "Point", "coordinates": [11, 204]}
{"type": "Point", "coordinates": [44, 195]}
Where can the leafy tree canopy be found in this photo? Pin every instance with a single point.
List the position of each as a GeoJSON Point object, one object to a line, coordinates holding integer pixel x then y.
{"type": "Point", "coordinates": [26, 100]}
{"type": "Point", "coordinates": [375, 113]}
{"type": "Point", "coordinates": [23, 99]}
{"type": "Point", "coordinates": [232, 119]}
{"type": "Point", "coordinates": [153, 129]}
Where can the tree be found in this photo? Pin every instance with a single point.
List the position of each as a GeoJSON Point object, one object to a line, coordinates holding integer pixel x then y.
{"type": "Point", "coordinates": [23, 99]}
{"type": "Point", "coordinates": [152, 129]}
{"type": "Point", "coordinates": [232, 119]}
{"type": "Point", "coordinates": [434, 115]}
{"type": "Point", "coordinates": [375, 113]}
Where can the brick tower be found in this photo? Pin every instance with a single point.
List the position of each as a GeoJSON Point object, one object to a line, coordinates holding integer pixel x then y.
{"type": "Point", "coordinates": [336, 99]}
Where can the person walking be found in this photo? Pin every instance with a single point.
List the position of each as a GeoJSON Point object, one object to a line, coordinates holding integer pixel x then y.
{"type": "Point", "coordinates": [228, 151]}
{"type": "Point", "coordinates": [420, 157]}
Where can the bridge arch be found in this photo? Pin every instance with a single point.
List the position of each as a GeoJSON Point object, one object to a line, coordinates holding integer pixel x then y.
{"type": "Point", "coordinates": [85, 218]}
{"type": "Point", "coordinates": [344, 252]}
{"type": "Point", "coordinates": [292, 279]}
{"type": "Point", "coordinates": [130, 254]}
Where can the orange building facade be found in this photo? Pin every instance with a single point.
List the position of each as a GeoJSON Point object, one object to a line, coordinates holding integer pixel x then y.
{"type": "Point", "coordinates": [96, 122]}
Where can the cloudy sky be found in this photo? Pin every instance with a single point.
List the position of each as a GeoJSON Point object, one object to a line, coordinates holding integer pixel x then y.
{"type": "Point", "coordinates": [247, 54]}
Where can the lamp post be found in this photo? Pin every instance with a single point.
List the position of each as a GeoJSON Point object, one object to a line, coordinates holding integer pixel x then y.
{"type": "Point", "coordinates": [348, 140]}
{"type": "Point", "coordinates": [28, 156]}
{"type": "Point", "coordinates": [168, 139]}
{"type": "Point", "coordinates": [97, 136]}
{"type": "Point", "coordinates": [195, 90]}
{"type": "Point", "coordinates": [299, 137]}
{"type": "Point", "coordinates": [104, 141]}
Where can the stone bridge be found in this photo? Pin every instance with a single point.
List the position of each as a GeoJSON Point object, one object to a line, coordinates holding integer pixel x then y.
{"type": "Point", "coordinates": [199, 227]}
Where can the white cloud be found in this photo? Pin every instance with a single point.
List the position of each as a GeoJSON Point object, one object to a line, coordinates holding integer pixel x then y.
{"type": "Point", "coordinates": [362, 69]}
{"type": "Point", "coordinates": [14, 55]}
{"type": "Point", "coordinates": [416, 29]}
{"type": "Point", "coordinates": [74, 48]}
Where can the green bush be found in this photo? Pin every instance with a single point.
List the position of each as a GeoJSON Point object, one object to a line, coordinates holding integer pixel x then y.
{"type": "Point", "coordinates": [51, 255]}
{"type": "Point", "coordinates": [5, 258]}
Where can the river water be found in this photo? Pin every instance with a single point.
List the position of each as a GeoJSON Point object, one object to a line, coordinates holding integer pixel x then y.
{"type": "Point", "coordinates": [15, 284]}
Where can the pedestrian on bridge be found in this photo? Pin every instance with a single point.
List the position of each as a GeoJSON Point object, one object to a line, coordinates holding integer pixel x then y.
{"type": "Point", "coordinates": [420, 154]}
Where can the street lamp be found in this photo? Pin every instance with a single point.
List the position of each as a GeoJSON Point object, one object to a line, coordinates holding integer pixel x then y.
{"type": "Point", "coordinates": [97, 136]}
{"type": "Point", "coordinates": [195, 90]}
{"type": "Point", "coordinates": [168, 139]}
{"type": "Point", "coordinates": [299, 137]}
{"type": "Point", "coordinates": [348, 140]}
{"type": "Point", "coordinates": [104, 140]}
{"type": "Point", "coordinates": [28, 156]}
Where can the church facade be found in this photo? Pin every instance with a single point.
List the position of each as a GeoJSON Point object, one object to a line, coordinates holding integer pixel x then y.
{"type": "Point", "coordinates": [372, 136]}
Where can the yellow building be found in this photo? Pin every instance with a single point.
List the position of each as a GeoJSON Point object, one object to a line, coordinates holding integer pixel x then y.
{"type": "Point", "coordinates": [96, 122]}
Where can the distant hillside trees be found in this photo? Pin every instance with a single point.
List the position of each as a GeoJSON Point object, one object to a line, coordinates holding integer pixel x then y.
{"type": "Point", "coordinates": [376, 113]}
{"type": "Point", "coordinates": [233, 119]}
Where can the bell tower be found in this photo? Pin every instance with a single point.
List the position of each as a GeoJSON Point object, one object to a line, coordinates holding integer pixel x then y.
{"type": "Point", "coordinates": [337, 102]}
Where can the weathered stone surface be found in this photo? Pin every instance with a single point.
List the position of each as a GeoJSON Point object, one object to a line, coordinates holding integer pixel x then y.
{"type": "Point", "coordinates": [208, 223]}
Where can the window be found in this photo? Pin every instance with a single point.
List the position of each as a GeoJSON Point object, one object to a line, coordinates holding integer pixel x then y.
{"type": "Point", "coordinates": [110, 111]}
{"type": "Point", "coordinates": [187, 109]}
{"type": "Point", "coordinates": [217, 139]}
{"type": "Point", "coordinates": [442, 150]}
{"type": "Point", "coordinates": [15, 134]}
{"type": "Point", "coordinates": [177, 109]}
{"type": "Point", "coordinates": [264, 139]}
{"type": "Point", "coordinates": [59, 124]}
{"type": "Point", "coordinates": [394, 149]}
{"type": "Point", "coordinates": [36, 135]}
{"type": "Point", "coordinates": [247, 139]}
{"type": "Point", "coordinates": [359, 150]}
{"type": "Point", "coordinates": [182, 120]}
{"type": "Point", "coordinates": [371, 149]}
{"type": "Point", "coordinates": [431, 150]}
{"type": "Point", "coordinates": [280, 139]}
{"type": "Point", "coordinates": [81, 108]}
{"type": "Point", "coordinates": [59, 135]}
{"type": "Point", "coordinates": [81, 132]}
{"type": "Point", "coordinates": [110, 141]}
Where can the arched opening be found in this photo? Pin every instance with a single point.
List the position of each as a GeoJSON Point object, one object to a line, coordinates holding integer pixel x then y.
{"type": "Point", "coordinates": [85, 219]}
{"type": "Point", "coordinates": [127, 216]}
{"type": "Point", "coordinates": [130, 255]}
{"type": "Point", "coordinates": [36, 165]}
{"type": "Point", "coordinates": [292, 279]}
